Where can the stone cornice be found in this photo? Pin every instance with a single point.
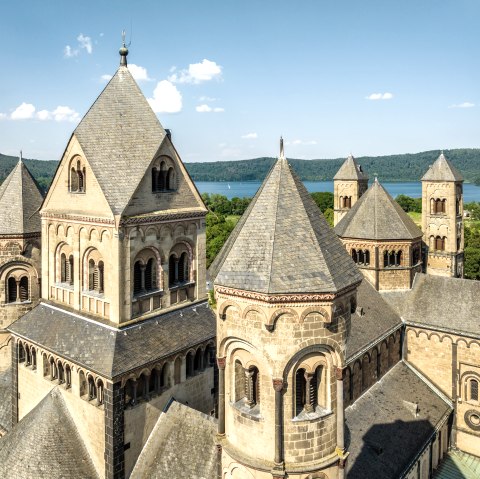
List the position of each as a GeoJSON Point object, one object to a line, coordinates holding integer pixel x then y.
{"type": "Point", "coordinates": [21, 236]}
{"type": "Point", "coordinates": [149, 219]}
{"type": "Point", "coordinates": [282, 298]}
{"type": "Point", "coordinates": [77, 218]}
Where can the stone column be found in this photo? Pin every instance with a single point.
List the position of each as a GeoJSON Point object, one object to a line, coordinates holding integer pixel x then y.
{"type": "Point", "coordinates": [278, 387]}
{"type": "Point", "coordinates": [308, 406]}
{"type": "Point", "coordinates": [340, 423]}
{"type": "Point", "coordinates": [249, 388]}
{"type": "Point", "coordinates": [221, 395]}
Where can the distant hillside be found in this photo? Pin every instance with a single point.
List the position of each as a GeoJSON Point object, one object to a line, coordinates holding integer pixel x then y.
{"type": "Point", "coordinates": [406, 167]}
{"type": "Point", "coordinates": [42, 171]}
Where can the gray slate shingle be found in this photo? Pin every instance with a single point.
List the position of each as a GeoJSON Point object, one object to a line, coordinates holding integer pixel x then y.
{"type": "Point", "coordinates": [350, 170]}
{"type": "Point", "coordinates": [46, 444]}
{"type": "Point", "coordinates": [383, 433]}
{"type": "Point", "coordinates": [442, 170]}
{"type": "Point", "coordinates": [181, 444]}
{"type": "Point", "coordinates": [6, 399]}
{"type": "Point", "coordinates": [20, 200]}
{"type": "Point", "coordinates": [377, 216]}
{"type": "Point", "coordinates": [440, 302]}
{"type": "Point", "coordinates": [283, 244]}
{"type": "Point", "coordinates": [109, 351]}
{"type": "Point", "coordinates": [120, 136]}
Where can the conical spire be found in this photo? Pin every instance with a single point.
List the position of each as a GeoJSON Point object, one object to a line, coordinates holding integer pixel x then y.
{"type": "Point", "coordinates": [442, 170]}
{"type": "Point", "coordinates": [377, 216]}
{"type": "Point", "coordinates": [20, 200]}
{"type": "Point", "coordinates": [283, 244]}
{"type": "Point", "coordinates": [350, 170]}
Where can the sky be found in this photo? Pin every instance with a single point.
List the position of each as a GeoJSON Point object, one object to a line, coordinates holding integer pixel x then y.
{"type": "Point", "coordinates": [229, 77]}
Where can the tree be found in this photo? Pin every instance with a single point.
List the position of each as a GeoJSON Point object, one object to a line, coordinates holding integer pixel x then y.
{"type": "Point", "coordinates": [409, 204]}
{"type": "Point", "coordinates": [328, 213]}
{"type": "Point", "coordinates": [324, 200]}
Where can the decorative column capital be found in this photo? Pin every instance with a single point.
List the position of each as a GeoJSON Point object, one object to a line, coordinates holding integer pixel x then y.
{"type": "Point", "coordinates": [277, 384]}
{"type": "Point", "coordinates": [339, 373]}
{"type": "Point", "coordinates": [221, 362]}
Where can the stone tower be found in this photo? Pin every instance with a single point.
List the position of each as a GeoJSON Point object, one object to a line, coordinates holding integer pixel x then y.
{"type": "Point", "coordinates": [382, 240]}
{"type": "Point", "coordinates": [20, 200]}
{"type": "Point", "coordinates": [123, 324]}
{"type": "Point", "coordinates": [442, 218]}
{"type": "Point", "coordinates": [285, 288]}
{"type": "Point", "coordinates": [349, 184]}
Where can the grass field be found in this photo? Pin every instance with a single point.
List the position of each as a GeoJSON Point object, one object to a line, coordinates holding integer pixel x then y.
{"type": "Point", "coordinates": [417, 217]}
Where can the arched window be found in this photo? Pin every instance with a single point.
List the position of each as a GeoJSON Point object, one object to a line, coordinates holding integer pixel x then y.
{"type": "Point", "coordinates": [162, 179]}
{"type": "Point", "coordinates": [34, 358]}
{"type": "Point", "coordinates": [190, 366]}
{"type": "Point", "coordinates": [444, 206]}
{"type": "Point", "coordinates": [137, 278]}
{"type": "Point", "coordinates": [100, 391]}
{"type": "Point", "coordinates": [61, 373]}
{"type": "Point", "coordinates": [300, 391]}
{"type": "Point", "coordinates": [177, 370]}
{"type": "Point", "coordinates": [433, 205]}
{"type": "Point", "coordinates": [183, 268]}
{"type": "Point", "coordinates": [367, 257]}
{"type": "Point", "coordinates": [68, 377]}
{"type": "Point", "coordinates": [354, 255]}
{"type": "Point", "coordinates": [150, 275]}
{"type": "Point", "coordinates": [100, 268]}
{"type": "Point", "coordinates": [63, 268]}
{"type": "Point", "coordinates": [73, 180]}
{"type": "Point", "coordinates": [170, 179]}
{"type": "Point", "coordinates": [83, 385]}
{"type": "Point", "coordinates": [12, 290]}
{"type": "Point", "coordinates": [21, 353]}
{"type": "Point", "coordinates": [164, 380]}
{"type": "Point", "coordinates": [91, 273]}
{"type": "Point", "coordinates": [172, 270]}
{"type": "Point", "coordinates": [154, 179]}
{"type": "Point", "coordinates": [473, 390]}
{"type": "Point", "coordinates": [197, 363]}
{"type": "Point", "coordinates": [92, 389]}
{"type": "Point", "coordinates": [349, 202]}
{"type": "Point", "coordinates": [46, 366]}
{"type": "Point", "coordinates": [69, 276]}
{"type": "Point", "coordinates": [361, 257]}
{"type": "Point", "coordinates": [252, 387]}
{"type": "Point", "coordinates": [77, 177]}
{"type": "Point", "coordinates": [385, 259]}
{"type": "Point", "coordinates": [440, 243]}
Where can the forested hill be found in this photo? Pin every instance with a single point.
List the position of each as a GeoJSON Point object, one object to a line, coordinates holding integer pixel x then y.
{"type": "Point", "coordinates": [406, 167]}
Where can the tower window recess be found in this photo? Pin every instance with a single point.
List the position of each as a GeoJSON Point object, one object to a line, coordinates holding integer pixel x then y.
{"type": "Point", "coordinates": [473, 393]}
{"type": "Point", "coordinates": [310, 396]}
{"type": "Point", "coordinates": [438, 206]}
{"type": "Point", "coordinates": [345, 201]}
{"type": "Point", "coordinates": [144, 276]}
{"type": "Point", "coordinates": [77, 180]}
{"type": "Point", "coordinates": [95, 276]}
{"type": "Point", "coordinates": [17, 290]}
{"type": "Point", "coordinates": [392, 259]}
{"type": "Point", "coordinates": [440, 242]}
{"type": "Point", "coordinates": [247, 385]}
{"type": "Point", "coordinates": [361, 257]}
{"type": "Point", "coordinates": [163, 178]}
{"type": "Point", "coordinates": [178, 269]}
{"type": "Point", "coordinates": [12, 290]}
{"type": "Point", "coordinates": [66, 269]}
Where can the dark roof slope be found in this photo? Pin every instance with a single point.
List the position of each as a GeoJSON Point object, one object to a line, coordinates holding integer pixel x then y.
{"type": "Point", "coordinates": [111, 351]}
{"type": "Point", "coordinates": [181, 444]}
{"type": "Point", "coordinates": [350, 170]}
{"type": "Point", "coordinates": [120, 136]}
{"type": "Point", "coordinates": [447, 303]}
{"type": "Point", "coordinates": [6, 399]}
{"type": "Point", "coordinates": [283, 244]}
{"type": "Point", "coordinates": [377, 216]}
{"type": "Point", "coordinates": [376, 320]}
{"type": "Point", "coordinates": [442, 170]}
{"type": "Point", "coordinates": [384, 432]}
{"type": "Point", "coordinates": [46, 444]}
{"type": "Point", "coordinates": [20, 200]}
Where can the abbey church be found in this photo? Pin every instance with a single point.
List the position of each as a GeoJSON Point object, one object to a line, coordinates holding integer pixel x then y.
{"type": "Point", "coordinates": [323, 353]}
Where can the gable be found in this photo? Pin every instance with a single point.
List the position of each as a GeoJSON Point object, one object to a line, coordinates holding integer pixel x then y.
{"type": "Point", "coordinates": [64, 195]}
{"type": "Point", "coordinates": [171, 190]}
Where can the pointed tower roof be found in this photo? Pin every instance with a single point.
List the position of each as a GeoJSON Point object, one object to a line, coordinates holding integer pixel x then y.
{"type": "Point", "coordinates": [20, 200]}
{"type": "Point", "coordinates": [283, 244]}
{"type": "Point", "coordinates": [442, 170]}
{"type": "Point", "coordinates": [350, 170]}
{"type": "Point", "coordinates": [120, 136]}
{"type": "Point", "coordinates": [377, 216]}
{"type": "Point", "coordinates": [46, 444]}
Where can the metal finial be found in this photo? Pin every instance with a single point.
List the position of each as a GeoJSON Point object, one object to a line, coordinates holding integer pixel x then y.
{"type": "Point", "coordinates": [20, 158]}
{"type": "Point", "coordinates": [123, 51]}
{"type": "Point", "coordinates": [376, 177]}
{"type": "Point", "coordinates": [282, 153]}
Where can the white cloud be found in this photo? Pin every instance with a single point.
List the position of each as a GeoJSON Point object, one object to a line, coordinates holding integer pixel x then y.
{"type": "Point", "coordinates": [249, 136]}
{"type": "Point", "coordinates": [380, 96]}
{"type": "Point", "coordinates": [203, 99]}
{"type": "Point", "coordinates": [3, 116]}
{"type": "Point", "coordinates": [23, 112]}
{"type": "Point", "coordinates": [166, 98]}
{"type": "Point", "coordinates": [207, 109]}
{"type": "Point", "coordinates": [43, 115]}
{"type": "Point", "coordinates": [106, 77]}
{"type": "Point", "coordinates": [85, 42]}
{"type": "Point", "coordinates": [138, 72]}
{"type": "Point", "coordinates": [69, 52]}
{"type": "Point", "coordinates": [65, 113]}
{"type": "Point", "coordinates": [465, 104]}
{"type": "Point", "coordinates": [206, 70]}
{"type": "Point", "coordinates": [301, 142]}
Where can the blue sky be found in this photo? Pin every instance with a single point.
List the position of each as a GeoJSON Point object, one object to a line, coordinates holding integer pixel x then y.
{"type": "Point", "coordinates": [229, 77]}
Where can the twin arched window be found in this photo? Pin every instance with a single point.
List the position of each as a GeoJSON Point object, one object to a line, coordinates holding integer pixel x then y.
{"type": "Point", "coordinates": [163, 178]}
{"type": "Point", "coordinates": [18, 290]}
{"type": "Point", "coordinates": [95, 275]}
{"type": "Point", "coordinates": [392, 259]}
{"type": "Point", "coordinates": [361, 256]}
{"type": "Point", "coordinates": [247, 385]}
{"type": "Point", "coordinates": [178, 269]}
{"type": "Point", "coordinates": [438, 206]}
{"type": "Point", "coordinates": [345, 201]}
{"type": "Point", "coordinates": [310, 392]}
{"type": "Point", "coordinates": [144, 276]}
{"type": "Point", "coordinates": [66, 268]}
{"type": "Point", "coordinates": [438, 242]}
{"type": "Point", "coordinates": [77, 180]}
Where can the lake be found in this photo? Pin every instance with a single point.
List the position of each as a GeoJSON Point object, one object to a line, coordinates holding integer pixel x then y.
{"type": "Point", "coordinates": [249, 188]}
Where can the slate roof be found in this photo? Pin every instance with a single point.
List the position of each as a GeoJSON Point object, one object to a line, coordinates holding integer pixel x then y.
{"type": "Point", "coordinates": [283, 244]}
{"type": "Point", "coordinates": [350, 170]}
{"type": "Point", "coordinates": [377, 216]}
{"type": "Point", "coordinates": [20, 200]}
{"type": "Point", "coordinates": [46, 444]}
{"type": "Point", "coordinates": [120, 136]}
{"type": "Point", "coordinates": [110, 351]}
{"type": "Point", "coordinates": [181, 444]}
{"type": "Point", "coordinates": [378, 318]}
{"type": "Point", "coordinates": [383, 432]}
{"type": "Point", "coordinates": [442, 170]}
{"type": "Point", "coordinates": [450, 304]}
{"type": "Point", "coordinates": [6, 399]}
